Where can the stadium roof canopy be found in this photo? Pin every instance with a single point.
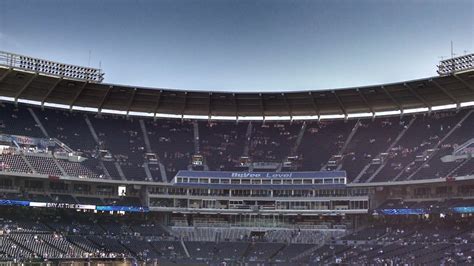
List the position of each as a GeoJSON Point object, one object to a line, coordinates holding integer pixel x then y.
{"type": "Point", "coordinates": [441, 92]}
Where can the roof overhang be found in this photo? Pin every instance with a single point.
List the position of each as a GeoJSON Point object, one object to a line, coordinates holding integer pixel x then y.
{"type": "Point", "coordinates": [423, 95]}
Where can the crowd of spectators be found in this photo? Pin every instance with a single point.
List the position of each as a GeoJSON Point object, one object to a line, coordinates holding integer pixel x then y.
{"type": "Point", "coordinates": [63, 234]}
{"type": "Point", "coordinates": [120, 147]}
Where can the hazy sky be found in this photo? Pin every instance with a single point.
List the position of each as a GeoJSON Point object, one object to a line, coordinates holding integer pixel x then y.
{"type": "Point", "coordinates": [242, 45]}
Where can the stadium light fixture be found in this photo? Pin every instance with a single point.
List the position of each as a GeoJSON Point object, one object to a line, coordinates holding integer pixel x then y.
{"type": "Point", "coordinates": [250, 118]}
{"type": "Point", "coordinates": [29, 102]}
{"type": "Point", "coordinates": [114, 112]}
{"type": "Point", "coordinates": [456, 65]}
{"type": "Point", "coordinates": [340, 116]}
{"type": "Point", "coordinates": [7, 99]}
{"type": "Point", "coordinates": [305, 117]}
{"type": "Point", "coordinates": [132, 113]}
{"type": "Point", "coordinates": [360, 115]}
{"type": "Point", "coordinates": [444, 107]}
{"type": "Point", "coordinates": [168, 115]}
{"type": "Point", "coordinates": [197, 117]}
{"type": "Point", "coordinates": [56, 105]}
{"type": "Point", "coordinates": [277, 118]}
{"type": "Point", "coordinates": [228, 118]}
{"type": "Point", "coordinates": [387, 113]}
{"type": "Point", "coordinates": [85, 109]}
{"type": "Point", "coordinates": [50, 68]}
{"type": "Point", "coordinates": [416, 110]}
{"type": "Point", "coordinates": [465, 104]}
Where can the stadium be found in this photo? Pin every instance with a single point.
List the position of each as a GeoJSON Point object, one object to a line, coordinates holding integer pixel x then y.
{"type": "Point", "coordinates": [108, 173]}
{"type": "Point", "coordinates": [257, 132]}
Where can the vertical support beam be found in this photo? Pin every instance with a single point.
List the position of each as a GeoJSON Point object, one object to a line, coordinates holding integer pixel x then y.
{"type": "Point", "coordinates": [184, 104]}
{"type": "Point", "coordinates": [362, 96]}
{"type": "Point", "coordinates": [79, 92]}
{"type": "Point", "coordinates": [51, 89]}
{"type": "Point", "coordinates": [236, 106]}
{"type": "Point", "coordinates": [290, 110]}
{"type": "Point", "coordinates": [469, 86]}
{"type": "Point", "coordinates": [145, 135]}
{"type": "Point", "coordinates": [341, 105]}
{"type": "Point", "coordinates": [209, 109]}
{"type": "Point", "coordinates": [399, 106]}
{"type": "Point", "coordinates": [130, 101]}
{"type": "Point", "coordinates": [418, 96]}
{"type": "Point", "coordinates": [5, 75]}
{"type": "Point", "coordinates": [38, 122]}
{"type": "Point", "coordinates": [315, 104]}
{"type": "Point", "coordinates": [25, 86]}
{"type": "Point", "coordinates": [450, 96]}
{"type": "Point", "coordinates": [103, 99]}
{"type": "Point", "coordinates": [158, 102]}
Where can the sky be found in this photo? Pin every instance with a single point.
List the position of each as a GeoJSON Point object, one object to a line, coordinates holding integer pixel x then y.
{"type": "Point", "coordinates": [242, 46]}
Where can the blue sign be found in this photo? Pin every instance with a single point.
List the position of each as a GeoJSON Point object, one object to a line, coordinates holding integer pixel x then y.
{"type": "Point", "coordinates": [122, 208]}
{"type": "Point", "coordinates": [7, 202]}
{"type": "Point", "coordinates": [463, 209]}
{"type": "Point", "coordinates": [218, 174]}
{"type": "Point", "coordinates": [402, 211]}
